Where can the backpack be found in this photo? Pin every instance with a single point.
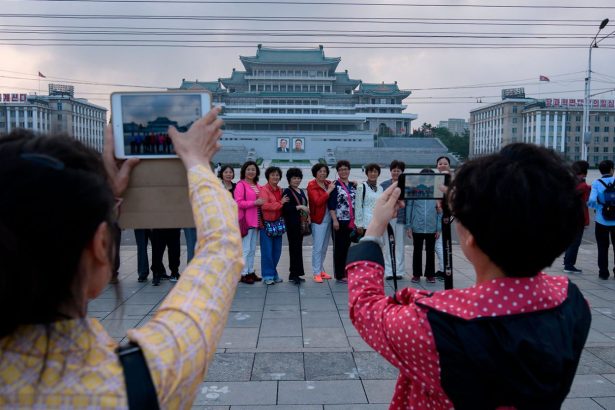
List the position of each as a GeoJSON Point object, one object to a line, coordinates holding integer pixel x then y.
{"type": "Point", "coordinates": [608, 206]}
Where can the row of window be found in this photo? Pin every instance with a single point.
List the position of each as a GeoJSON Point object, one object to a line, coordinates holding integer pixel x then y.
{"type": "Point", "coordinates": [291, 127]}
{"type": "Point", "coordinates": [289, 73]}
{"type": "Point", "coordinates": [303, 88]}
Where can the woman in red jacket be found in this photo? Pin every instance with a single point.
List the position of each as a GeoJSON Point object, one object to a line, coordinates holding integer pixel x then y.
{"type": "Point", "coordinates": [318, 194]}
{"type": "Point", "coordinates": [271, 241]}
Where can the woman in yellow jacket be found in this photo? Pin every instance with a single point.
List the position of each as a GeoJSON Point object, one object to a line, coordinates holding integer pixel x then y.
{"type": "Point", "coordinates": [56, 253]}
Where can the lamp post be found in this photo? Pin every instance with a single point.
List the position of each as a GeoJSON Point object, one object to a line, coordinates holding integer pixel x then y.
{"type": "Point", "coordinates": [587, 103]}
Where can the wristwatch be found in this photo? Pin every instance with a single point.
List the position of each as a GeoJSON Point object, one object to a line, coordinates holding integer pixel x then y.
{"type": "Point", "coordinates": [378, 239]}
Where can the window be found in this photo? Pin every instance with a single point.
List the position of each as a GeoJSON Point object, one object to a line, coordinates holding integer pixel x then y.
{"type": "Point", "coordinates": [596, 129]}
{"type": "Point", "coordinates": [605, 149]}
{"type": "Point", "coordinates": [576, 149]}
{"type": "Point", "coordinates": [577, 128]}
{"type": "Point", "coordinates": [606, 129]}
{"type": "Point", "coordinates": [605, 139]}
{"type": "Point", "coordinates": [596, 149]}
{"type": "Point", "coordinates": [59, 117]}
{"type": "Point", "coordinates": [59, 106]}
{"type": "Point", "coordinates": [578, 118]}
{"type": "Point", "coordinates": [261, 87]}
{"type": "Point", "coordinates": [514, 130]}
{"type": "Point", "coordinates": [514, 120]}
{"type": "Point", "coordinates": [327, 88]}
{"type": "Point", "coordinates": [268, 87]}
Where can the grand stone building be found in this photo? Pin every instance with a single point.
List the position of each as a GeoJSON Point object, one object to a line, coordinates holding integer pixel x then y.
{"type": "Point", "coordinates": [293, 104]}
{"type": "Point", "coordinates": [57, 112]}
{"type": "Point", "coordinates": [551, 122]}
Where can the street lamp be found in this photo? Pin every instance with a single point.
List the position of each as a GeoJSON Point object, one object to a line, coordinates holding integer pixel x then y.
{"type": "Point", "coordinates": [587, 103]}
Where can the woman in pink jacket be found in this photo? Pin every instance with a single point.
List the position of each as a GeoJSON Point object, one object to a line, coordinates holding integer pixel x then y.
{"type": "Point", "coordinates": [247, 196]}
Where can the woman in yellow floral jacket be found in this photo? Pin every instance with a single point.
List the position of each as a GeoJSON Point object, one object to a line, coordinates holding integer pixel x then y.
{"type": "Point", "coordinates": [56, 252]}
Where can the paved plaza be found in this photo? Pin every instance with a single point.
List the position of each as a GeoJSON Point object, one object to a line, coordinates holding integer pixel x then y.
{"type": "Point", "coordinates": [293, 347]}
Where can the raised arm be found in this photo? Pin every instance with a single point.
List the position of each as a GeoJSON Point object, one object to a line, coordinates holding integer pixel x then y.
{"type": "Point", "coordinates": [180, 340]}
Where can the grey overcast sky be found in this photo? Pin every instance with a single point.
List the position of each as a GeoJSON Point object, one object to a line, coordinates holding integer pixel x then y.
{"type": "Point", "coordinates": [450, 53]}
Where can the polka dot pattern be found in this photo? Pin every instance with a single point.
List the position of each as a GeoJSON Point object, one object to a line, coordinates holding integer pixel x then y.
{"type": "Point", "coordinates": [402, 334]}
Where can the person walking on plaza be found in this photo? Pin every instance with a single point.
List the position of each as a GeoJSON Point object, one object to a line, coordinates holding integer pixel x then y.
{"type": "Point", "coordinates": [602, 200]}
{"type": "Point", "coordinates": [319, 190]}
{"type": "Point", "coordinates": [247, 196]}
{"type": "Point", "coordinates": [165, 239]}
{"type": "Point", "coordinates": [515, 338]}
{"type": "Point", "coordinates": [443, 165]}
{"type": "Point", "coordinates": [271, 237]}
{"type": "Point", "coordinates": [424, 225]}
{"type": "Point", "coordinates": [341, 209]}
{"type": "Point", "coordinates": [51, 354]}
{"type": "Point", "coordinates": [398, 223]}
{"type": "Point", "coordinates": [580, 169]}
{"type": "Point", "coordinates": [293, 210]}
{"type": "Point", "coordinates": [142, 237]}
{"type": "Point", "coordinates": [368, 193]}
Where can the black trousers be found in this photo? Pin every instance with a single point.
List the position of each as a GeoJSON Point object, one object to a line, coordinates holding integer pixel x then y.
{"type": "Point", "coordinates": [417, 255]}
{"type": "Point", "coordinates": [603, 233]}
{"type": "Point", "coordinates": [161, 239]}
{"type": "Point", "coordinates": [295, 250]}
{"type": "Point", "coordinates": [341, 243]}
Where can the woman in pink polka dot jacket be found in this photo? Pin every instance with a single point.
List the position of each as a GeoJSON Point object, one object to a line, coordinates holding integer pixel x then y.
{"type": "Point", "coordinates": [514, 339]}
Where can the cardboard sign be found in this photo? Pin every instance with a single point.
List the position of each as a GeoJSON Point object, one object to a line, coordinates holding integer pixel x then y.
{"type": "Point", "coordinates": [157, 196]}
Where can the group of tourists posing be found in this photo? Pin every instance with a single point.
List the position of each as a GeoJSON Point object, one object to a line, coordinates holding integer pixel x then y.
{"type": "Point", "coordinates": [340, 209]}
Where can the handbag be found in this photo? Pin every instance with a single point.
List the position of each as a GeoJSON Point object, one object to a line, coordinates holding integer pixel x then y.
{"type": "Point", "coordinates": [275, 228]}
{"type": "Point", "coordinates": [305, 224]}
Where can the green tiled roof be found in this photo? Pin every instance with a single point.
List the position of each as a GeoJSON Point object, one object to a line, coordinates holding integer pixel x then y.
{"type": "Point", "coordinates": [238, 77]}
{"type": "Point", "coordinates": [381, 89]}
{"type": "Point", "coordinates": [199, 85]}
{"type": "Point", "coordinates": [343, 79]}
{"type": "Point", "coordinates": [266, 55]}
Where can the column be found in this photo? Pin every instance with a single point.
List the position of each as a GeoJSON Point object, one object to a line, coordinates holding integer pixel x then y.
{"type": "Point", "coordinates": [538, 135]}
{"type": "Point", "coordinates": [547, 123]}
{"type": "Point", "coordinates": [8, 119]}
{"type": "Point", "coordinates": [34, 119]}
{"type": "Point", "coordinates": [562, 146]}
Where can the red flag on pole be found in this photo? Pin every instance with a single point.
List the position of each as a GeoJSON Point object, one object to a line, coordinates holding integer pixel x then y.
{"type": "Point", "coordinates": [544, 78]}
{"type": "Point", "coordinates": [41, 75]}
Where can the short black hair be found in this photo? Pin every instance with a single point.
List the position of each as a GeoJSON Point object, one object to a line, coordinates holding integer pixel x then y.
{"type": "Point", "coordinates": [55, 195]}
{"type": "Point", "coordinates": [371, 167]}
{"type": "Point", "coordinates": [580, 167]}
{"type": "Point", "coordinates": [342, 163]}
{"type": "Point", "coordinates": [224, 168]}
{"type": "Point", "coordinates": [606, 166]}
{"type": "Point", "coordinates": [397, 164]}
{"type": "Point", "coordinates": [317, 167]}
{"type": "Point", "coordinates": [271, 170]}
{"type": "Point", "coordinates": [521, 205]}
{"type": "Point", "coordinates": [427, 171]}
{"type": "Point", "coordinates": [242, 172]}
{"type": "Point", "coordinates": [293, 172]}
{"type": "Point", "coordinates": [443, 157]}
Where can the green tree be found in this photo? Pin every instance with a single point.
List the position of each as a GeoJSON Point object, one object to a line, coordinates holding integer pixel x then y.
{"type": "Point", "coordinates": [458, 144]}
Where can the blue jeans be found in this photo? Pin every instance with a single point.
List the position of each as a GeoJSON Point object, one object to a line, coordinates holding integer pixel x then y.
{"type": "Point", "coordinates": [190, 234]}
{"type": "Point", "coordinates": [142, 237]}
{"type": "Point", "coordinates": [271, 250]}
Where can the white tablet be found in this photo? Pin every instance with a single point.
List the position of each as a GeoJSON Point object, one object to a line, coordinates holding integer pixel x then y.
{"type": "Point", "coordinates": [141, 120]}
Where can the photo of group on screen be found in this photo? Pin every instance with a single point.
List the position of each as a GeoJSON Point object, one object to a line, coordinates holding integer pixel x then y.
{"type": "Point", "coordinates": [284, 145]}
{"type": "Point", "coordinates": [151, 143]}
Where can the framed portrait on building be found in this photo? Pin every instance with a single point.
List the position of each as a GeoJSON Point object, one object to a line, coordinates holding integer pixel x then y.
{"type": "Point", "coordinates": [283, 145]}
{"type": "Point", "coordinates": [299, 145]}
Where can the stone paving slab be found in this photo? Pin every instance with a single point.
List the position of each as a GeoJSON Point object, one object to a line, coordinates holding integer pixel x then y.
{"type": "Point", "coordinates": [278, 366]}
{"type": "Point", "coordinates": [322, 392]}
{"type": "Point", "coordinates": [230, 393]}
{"type": "Point", "coordinates": [322, 363]}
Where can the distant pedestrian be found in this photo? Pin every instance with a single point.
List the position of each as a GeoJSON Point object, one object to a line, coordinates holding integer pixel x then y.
{"type": "Point", "coordinates": [570, 257]}
{"type": "Point", "coordinates": [604, 215]}
{"type": "Point", "coordinates": [274, 226]}
{"type": "Point", "coordinates": [398, 223]}
{"type": "Point", "coordinates": [341, 208]}
{"type": "Point", "coordinates": [443, 165]}
{"type": "Point", "coordinates": [319, 190]}
{"type": "Point", "coordinates": [247, 196]}
{"type": "Point", "coordinates": [293, 211]}
{"type": "Point", "coordinates": [424, 226]}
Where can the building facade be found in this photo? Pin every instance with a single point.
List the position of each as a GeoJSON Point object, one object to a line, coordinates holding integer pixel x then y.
{"type": "Point", "coordinates": [455, 125]}
{"type": "Point", "coordinates": [552, 122]}
{"type": "Point", "coordinates": [57, 112]}
{"type": "Point", "coordinates": [293, 104]}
